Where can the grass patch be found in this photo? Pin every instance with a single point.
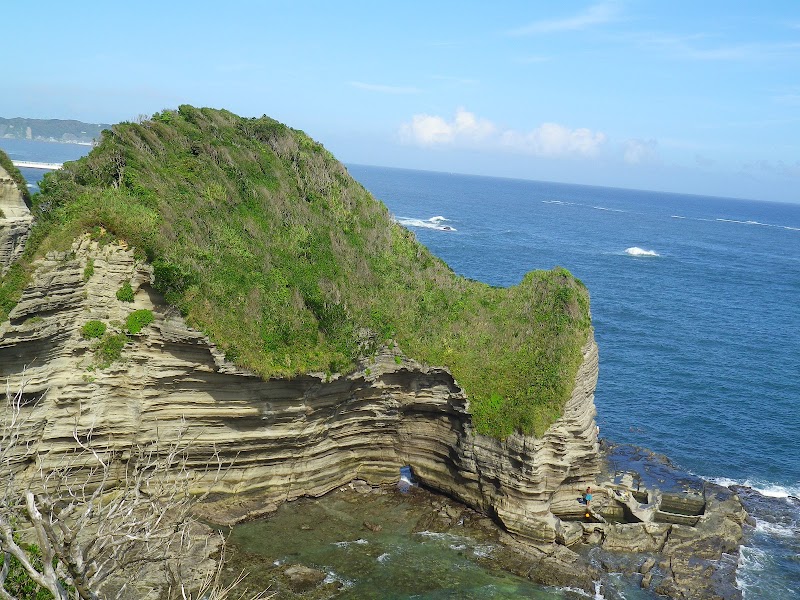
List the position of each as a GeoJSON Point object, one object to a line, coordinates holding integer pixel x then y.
{"type": "Point", "coordinates": [93, 329]}
{"type": "Point", "coordinates": [138, 319]}
{"type": "Point", "coordinates": [263, 241]}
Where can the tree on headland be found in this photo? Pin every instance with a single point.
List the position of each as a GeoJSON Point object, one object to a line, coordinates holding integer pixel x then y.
{"type": "Point", "coordinates": [90, 527]}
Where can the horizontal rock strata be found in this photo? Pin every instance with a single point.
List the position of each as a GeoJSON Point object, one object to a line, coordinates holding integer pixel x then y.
{"type": "Point", "coordinates": [278, 439]}
{"type": "Point", "coordinates": [15, 221]}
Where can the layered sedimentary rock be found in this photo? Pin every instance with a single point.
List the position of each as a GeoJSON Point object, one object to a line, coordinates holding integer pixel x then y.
{"type": "Point", "coordinates": [281, 438]}
{"type": "Point", "coordinates": [15, 221]}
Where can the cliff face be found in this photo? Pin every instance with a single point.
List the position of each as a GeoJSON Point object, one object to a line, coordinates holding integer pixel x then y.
{"type": "Point", "coordinates": [283, 438]}
{"type": "Point", "coordinates": [15, 221]}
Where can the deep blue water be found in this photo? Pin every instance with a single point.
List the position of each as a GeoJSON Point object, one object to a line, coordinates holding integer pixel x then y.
{"type": "Point", "coordinates": [696, 308]}
{"type": "Point", "coordinates": [699, 341]}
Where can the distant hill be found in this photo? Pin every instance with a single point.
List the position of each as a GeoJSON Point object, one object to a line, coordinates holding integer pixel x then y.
{"type": "Point", "coordinates": [51, 130]}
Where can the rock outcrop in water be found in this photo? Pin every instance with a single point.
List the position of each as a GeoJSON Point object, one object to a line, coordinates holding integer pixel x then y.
{"type": "Point", "coordinates": [15, 221]}
{"type": "Point", "coordinates": [283, 438]}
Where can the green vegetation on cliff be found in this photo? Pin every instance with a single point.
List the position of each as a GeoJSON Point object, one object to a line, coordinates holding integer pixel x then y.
{"type": "Point", "coordinates": [263, 240]}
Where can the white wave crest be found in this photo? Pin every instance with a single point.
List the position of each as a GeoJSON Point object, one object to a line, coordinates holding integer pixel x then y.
{"type": "Point", "coordinates": [759, 223]}
{"type": "Point", "coordinates": [383, 557]}
{"type": "Point", "coordinates": [608, 209]}
{"type": "Point", "coordinates": [636, 251]}
{"type": "Point", "coordinates": [776, 529]}
{"type": "Point", "coordinates": [772, 490]}
{"type": "Point", "coordinates": [751, 559]}
{"type": "Point", "coordinates": [432, 223]}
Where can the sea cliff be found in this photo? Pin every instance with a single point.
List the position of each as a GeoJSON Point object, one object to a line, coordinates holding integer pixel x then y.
{"type": "Point", "coordinates": [302, 340]}
{"type": "Point", "coordinates": [285, 437]}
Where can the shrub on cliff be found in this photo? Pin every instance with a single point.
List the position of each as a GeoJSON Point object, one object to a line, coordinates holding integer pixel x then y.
{"type": "Point", "coordinates": [138, 320]}
{"type": "Point", "coordinates": [264, 242]}
{"type": "Point", "coordinates": [93, 329]}
{"type": "Point", "coordinates": [125, 293]}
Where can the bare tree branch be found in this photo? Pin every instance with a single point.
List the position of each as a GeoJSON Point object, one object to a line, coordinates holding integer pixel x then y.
{"type": "Point", "coordinates": [101, 516]}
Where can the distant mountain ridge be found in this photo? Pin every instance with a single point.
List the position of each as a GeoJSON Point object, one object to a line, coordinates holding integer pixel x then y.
{"type": "Point", "coordinates": [51, 130]}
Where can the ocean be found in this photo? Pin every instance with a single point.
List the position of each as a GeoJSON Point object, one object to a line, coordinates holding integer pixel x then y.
{"type": "Point", "coordinates": [695, 308]}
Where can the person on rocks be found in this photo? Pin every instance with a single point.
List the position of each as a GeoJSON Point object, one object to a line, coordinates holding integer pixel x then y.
{"type": "Point", "coordinates": [587, 497]}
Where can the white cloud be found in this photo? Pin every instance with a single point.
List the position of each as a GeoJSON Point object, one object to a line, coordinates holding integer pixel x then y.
{"type": "Point", "coordinates": [640, 151]}
{"type": "Point", "coordinates": [385, 89]}
{"type": "Point", "coordinates": [430, 130]}
{"type": "Point", "coordinates": [594, 15]}
{"type": "Point", "coordinates": [552, 139]}
{"type": "Point", "coordinates": [468, 130]}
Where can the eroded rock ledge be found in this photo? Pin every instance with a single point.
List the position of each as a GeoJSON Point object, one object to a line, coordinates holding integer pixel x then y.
{"type": "Point", "coordinates": [282, 438]}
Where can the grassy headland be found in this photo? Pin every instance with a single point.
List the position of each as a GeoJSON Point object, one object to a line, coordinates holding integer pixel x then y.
{"type": "Point", "coordinates": [263, 241]}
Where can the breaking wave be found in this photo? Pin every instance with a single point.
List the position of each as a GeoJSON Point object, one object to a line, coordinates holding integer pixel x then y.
{"type": "Point", "coordinates": [436, 222]}
{"type": "Point", "coordinates": [771, 490]}
{"type": "Point", "coordinates": [636, 251]}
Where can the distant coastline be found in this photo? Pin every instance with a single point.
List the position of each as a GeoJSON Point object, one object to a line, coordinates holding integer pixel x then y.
{"type": "Point", "coordinates": [51, 130]}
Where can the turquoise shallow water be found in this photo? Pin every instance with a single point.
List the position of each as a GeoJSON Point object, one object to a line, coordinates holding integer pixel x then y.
{"type": "Point", "coordinates": [402, 560]}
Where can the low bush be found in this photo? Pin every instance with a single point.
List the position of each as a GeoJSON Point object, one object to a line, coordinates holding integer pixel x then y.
{"type": "Point", "coordinates": [93, 329]}
{"type": "Point", "coordinates": [109, 349]}
{"type": "Point", "coordinates": [125, 293]}
{"type": "Point", "coordinates": [138, 319]}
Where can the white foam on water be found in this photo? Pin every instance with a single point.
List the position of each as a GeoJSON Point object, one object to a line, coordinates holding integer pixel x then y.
{"type": "Point", "coordinates": [636, 251]}
{"type": "Point", "coordinates": [458, 546]}
{"type": "Point", "coordinates": [771, 490]}
{"type": "Point", "coordinates": [608, 209]}
{"type": "Point", "coordinates": [384, 557]}
{"type": "Point", "coordinates": [776, 529]}
{"type": "Point", "coordinates": [359, 541]}
{"type": "Point", "coordinates": [677, 217]}
{"type": "Point", "coordinates": [439, 536]}
{"type": "Point", "coordinates": [558, 202]}
{"type": "Point", "coordinates": [578, 591]}
{"type": "Point", "coordinates": [432, 223]}
{"type": "Point", "coordinates": [758, 223]}
{"type": "Point", "coordinates": [333, 577]}
{"type": "Point", "coordinates": [751, 562]}
{"type": "Point", "coordinates": [598, 595]}
{"type": "Point", "coordinates": [482, 551]}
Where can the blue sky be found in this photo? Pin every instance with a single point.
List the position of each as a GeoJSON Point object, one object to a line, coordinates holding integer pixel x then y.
{"type": "Point", "coordinates": [695, 97]}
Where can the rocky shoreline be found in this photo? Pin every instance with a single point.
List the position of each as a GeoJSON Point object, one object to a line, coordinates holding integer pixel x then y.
{"type": "Point", "coordinates": [662, 559]}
